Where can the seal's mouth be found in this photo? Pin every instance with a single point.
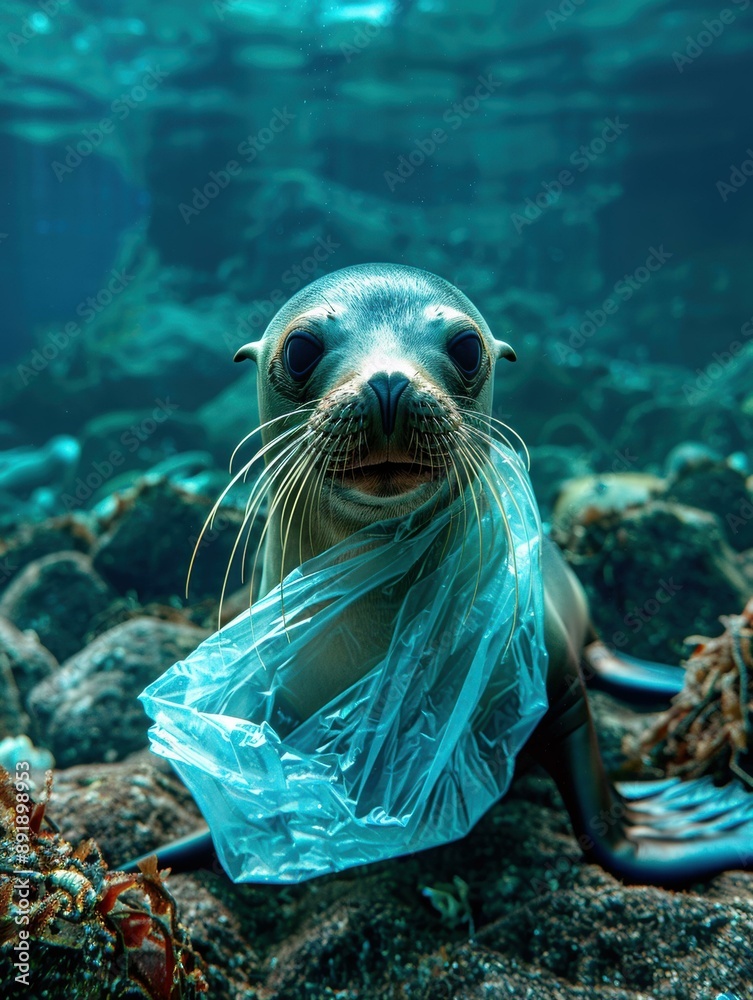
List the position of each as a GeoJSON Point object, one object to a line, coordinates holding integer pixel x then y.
{"type": "Point", "coordinates": [388, 478]}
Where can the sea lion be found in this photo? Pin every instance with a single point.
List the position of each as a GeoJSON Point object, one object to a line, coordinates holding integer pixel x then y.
{"type": "Point", "coordinates": [381, 367]}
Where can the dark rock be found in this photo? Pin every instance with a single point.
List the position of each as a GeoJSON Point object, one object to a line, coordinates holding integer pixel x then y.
{"type": "Point", "coordinates": [539, 921]}
{"type": "Point", "coordinates": [614, 721]}
{"type": "Point", "coordinates": [590, 936]}
{"type": "Point", "coordinates": [688, 457]}
{"type": "Point", "coordinates": [217, 914]}
{"type": "Point", "coordinates": [88, 710]}
{"type": "Point", "coordinates": [584, 499]}
{"type": "Point", "coordinates": [134, 439]}
{"type": "Point", "coordinates": [80, 938]}
{"type": "Point", "coordinates": [29, 660]}
{"type": "Point", "coordinates": [129, 808]}
{"type": "Point", "coordinates": [148, 544]}
{"type": "Point", "coordinates": [13, 719]}
{"type": "Point", "coordinates": [32, 541]}
{"type": "Point", "coordinates": [654, 573]}
{"type": "Point", "coordinates": [59, 597]}
{"type": "Point", "coordinates": [720, 489]}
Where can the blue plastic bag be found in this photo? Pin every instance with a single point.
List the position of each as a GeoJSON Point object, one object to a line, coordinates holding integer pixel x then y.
{"type": "Point", "coordinates": [412, 752]}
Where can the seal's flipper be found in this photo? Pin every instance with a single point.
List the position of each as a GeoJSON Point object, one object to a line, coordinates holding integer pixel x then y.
{"type": "Point", "coordinates": [665, 833]}
{"type": "Point", "coordinates": [640, 683]}
{"type": "Point", "coordinates": [184, 855]}
{"type": "Point", "coordinates": [675, 832]}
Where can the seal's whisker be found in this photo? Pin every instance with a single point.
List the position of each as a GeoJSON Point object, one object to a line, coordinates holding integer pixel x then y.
{"type": "Point", "coordinates": [501, 446]}
{"type": "Point", "coordinates": [308, 467]}
{"type": "Point", "coordinates": [515, 471]}
{"type": "Point", "coordinates": [500, 423]}
{"type": "Point", "coordinates": [322, 478]}
{"type": "Point", "coordinates": [287, 456]}
{"type": "Point", "coordinates": [461, 494]}
{"type": "Point", "coordinates": [466, 460]}
{"type": "Point", "coordinates": [303, 408]}
{"type": "Point", "coordinates": [361, 442]}
{"type": "Point", "coordinates": [291, 477]}
{"type": "Point", "coordinates": [207, 523]}
{"type": "Point", "coordinates": [428, 451]}
{"type": "Point", "coordinates": [290, 460]}
{"type": "Point", "coordinates": [493, 438]}
{"type": "Point", "coordinates": [313, 492]}
{"type": "Point", "coordinates": [444, 443]}
{"type": "Point", "coordinates": [483, 464]}
{"type": "Point", "coordinates": [269, 472]}
{"type": "Point", "coordinates": [281, 493]}
{"type": "Point", "coordinates": [244, 472]}
{"type": "Point", "coordinates": [512, 554]}
{"type": "Point", "coordinates": [266, 479]}
{"type": "Point", "coordinates": [490, 433]}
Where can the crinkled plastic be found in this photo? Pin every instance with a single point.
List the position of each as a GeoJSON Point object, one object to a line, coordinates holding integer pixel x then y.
{"type": "Point", "coordinates": [409, 755]}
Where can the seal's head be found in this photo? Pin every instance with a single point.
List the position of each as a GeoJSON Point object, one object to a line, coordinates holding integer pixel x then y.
{"type": "Point", "coordinates": [369, 382]}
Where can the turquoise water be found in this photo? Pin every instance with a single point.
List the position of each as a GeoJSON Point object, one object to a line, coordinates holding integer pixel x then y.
{"type": "Point", "coordinates": [580, 170]}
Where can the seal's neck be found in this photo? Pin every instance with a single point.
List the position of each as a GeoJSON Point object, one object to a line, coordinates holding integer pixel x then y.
{"type": "Point", "coordinates": [366, 626]}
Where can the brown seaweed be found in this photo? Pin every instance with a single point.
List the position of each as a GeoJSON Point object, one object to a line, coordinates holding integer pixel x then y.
{"type": "Point", "coordinates": [109, 933]}
{"type": "Point", "coordinates": [707, 729]}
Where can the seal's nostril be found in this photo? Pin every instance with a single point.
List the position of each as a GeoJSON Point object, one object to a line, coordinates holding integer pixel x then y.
{"type": "Point", "coordinates": [387, 389]}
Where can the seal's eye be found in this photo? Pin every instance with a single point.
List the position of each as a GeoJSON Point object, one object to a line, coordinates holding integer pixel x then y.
{"type": "Point", "coordinates": [466, 352]}
{"type": "Point", "coordinates": [302, 353]}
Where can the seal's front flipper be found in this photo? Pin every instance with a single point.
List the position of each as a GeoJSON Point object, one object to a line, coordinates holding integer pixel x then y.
{"type": "Point", "coordinates": [696, 826]}
{"type": "Point", "coordinates": [665, 833]}
{"type": "Point", "coordinates": [640, 683]}
{"type": "Point", "coordinates": [184, 855]}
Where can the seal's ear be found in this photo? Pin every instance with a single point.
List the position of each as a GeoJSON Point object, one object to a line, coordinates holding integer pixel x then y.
{"type": "Point", "coordinates": [503, 350]}
{"type": "Point", "coordinates": [248, 351]}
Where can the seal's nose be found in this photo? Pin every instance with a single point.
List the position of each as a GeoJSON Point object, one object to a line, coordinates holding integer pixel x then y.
{"type": "Point", "coordinates": [387, 389]}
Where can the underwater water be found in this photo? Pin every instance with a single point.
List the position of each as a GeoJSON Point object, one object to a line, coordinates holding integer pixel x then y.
{"type": "Point", "coordinates": [173, 173]}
